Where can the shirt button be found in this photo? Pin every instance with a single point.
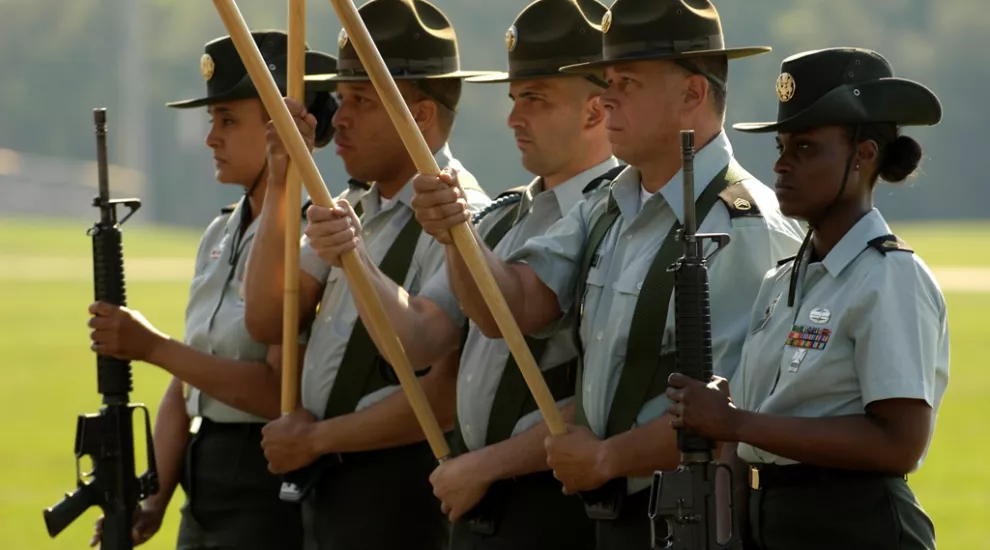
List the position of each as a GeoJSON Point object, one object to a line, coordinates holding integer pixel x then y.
{"type": "Point", "coordinates": [588, 387]}
{"type": "Point", "coordinates": [470, 377]}
{"type": "Point", "coordinates": [639, 285]}
{"type": "Point", "coordinates": [628, 237]}
{"type": "Point", "coordinates": [598, 336]}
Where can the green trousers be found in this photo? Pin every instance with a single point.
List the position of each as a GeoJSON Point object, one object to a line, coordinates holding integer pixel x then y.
{"type": "Point", "coordinates": [869, 513]}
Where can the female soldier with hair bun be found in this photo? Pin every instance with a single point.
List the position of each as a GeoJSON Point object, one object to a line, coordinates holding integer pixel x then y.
{"type": "Point", "coordinates": [847, 357]}
{"type": "Point", "coordinates": [225, 384]}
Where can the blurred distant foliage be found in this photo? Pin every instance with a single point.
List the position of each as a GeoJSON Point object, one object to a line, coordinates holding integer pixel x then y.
{"type": "Point", "coordinates": [61, 59]}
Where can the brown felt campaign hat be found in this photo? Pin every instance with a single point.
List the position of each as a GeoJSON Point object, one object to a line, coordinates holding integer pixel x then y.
{"type": "Point", "coordinates": [227, 79]}
{"type": "Point", "coordinates": [641, 30]}
{"type": "Point", "coordinates": [549, 34]}
{"type": "Point", "coordinates": [845, 86]}
{"type": "Point", "coordinates": [416, 41]}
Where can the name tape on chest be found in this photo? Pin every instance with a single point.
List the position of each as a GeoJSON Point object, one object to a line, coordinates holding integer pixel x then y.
{"type": "Point", "coordinates": [805, 336]}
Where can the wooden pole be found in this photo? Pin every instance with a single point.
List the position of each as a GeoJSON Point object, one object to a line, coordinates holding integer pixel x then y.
{"type": "Point", "coordinates": [293, 218]}
{"type": "Point", "coordinates": [421, 155]}
{"type": "Point", "coordinates": [355, 271]}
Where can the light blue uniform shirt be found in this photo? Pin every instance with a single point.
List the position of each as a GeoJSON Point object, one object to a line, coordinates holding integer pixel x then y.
{"type": "Point", "coordinates": [865, 326]}
{"type": "Point", "coordinates": [335, 320]}
{"type": "Point", "coordinates": [626, 253]}
{"type": "Point", "coordinates": [483, 359]}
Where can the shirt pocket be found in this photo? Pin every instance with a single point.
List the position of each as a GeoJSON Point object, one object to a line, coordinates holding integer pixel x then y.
{"type": "Point", "coordinates": [590, 300]}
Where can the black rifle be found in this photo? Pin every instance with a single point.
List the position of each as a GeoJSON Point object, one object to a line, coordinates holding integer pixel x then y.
{"type": "Point", "coordinates": [107, 437]}
{"type": "Point", "coordinates": [685, 498]}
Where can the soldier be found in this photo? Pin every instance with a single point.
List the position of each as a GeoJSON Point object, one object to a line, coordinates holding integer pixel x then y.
{"type": "Point", "coordinates": [376, 493]}
{"type": "Point", "coordinates": [231, 380]}
{"type": "Point", "coordinates": [666, 65]}
{"type": "Point", "coordinates": [847, 357]}
{"type": "Point", "coordinates": [499, 492]}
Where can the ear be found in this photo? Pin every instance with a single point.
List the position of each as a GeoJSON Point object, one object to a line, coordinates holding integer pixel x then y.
{"type": "Point", "coordinates": [424, 112]}
{"type": "Point", "coordinates": [594, 111]}
{"type": "Point", "coordinates": [867, 155]}
{"type": "Point", "coordinates": [696, 90]}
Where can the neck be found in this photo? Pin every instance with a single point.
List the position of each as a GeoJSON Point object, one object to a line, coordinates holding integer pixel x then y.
{"type": "Point", "coordinates": [391, 184]}
{"type": "Point", "coordinates": [829, 232]}
{"type": "Point", "coordinates": [661, 167]}
{"type": "Point", "coordinates": [585, 161]}
{"type": "Point", "coordinates": [257, 197]}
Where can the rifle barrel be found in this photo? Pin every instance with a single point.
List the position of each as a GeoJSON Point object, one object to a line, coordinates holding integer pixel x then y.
{"type": "Point", "coordinates": [687, 159]}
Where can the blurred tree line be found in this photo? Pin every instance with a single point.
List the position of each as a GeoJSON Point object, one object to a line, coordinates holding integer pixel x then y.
{"type": "Point", "coordinates": [61, 59]}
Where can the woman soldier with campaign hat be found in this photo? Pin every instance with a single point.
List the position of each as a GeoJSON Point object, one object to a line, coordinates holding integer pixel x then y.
{"type": "Point", "coordinates": [225, 384]}
{"type": "Point", "coordinates": [847, 356]}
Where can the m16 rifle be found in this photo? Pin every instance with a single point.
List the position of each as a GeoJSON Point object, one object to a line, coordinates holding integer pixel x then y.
{"type": "Point", "coordinates": [685, 498]}
{"type": "Point", "coordinates": [107, 437]}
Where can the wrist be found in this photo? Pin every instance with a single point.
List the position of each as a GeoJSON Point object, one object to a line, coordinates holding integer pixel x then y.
{"type": "Point", "coordinates": [158, 350]}
{"type": "Point", "coordinates": [742, 425]}
{"type": "Point", "coordinates": [318, 439]}
{"type": "Point", "coordinates": [488, 471]}
{"type": "Point", "coordinates": [607, 460]}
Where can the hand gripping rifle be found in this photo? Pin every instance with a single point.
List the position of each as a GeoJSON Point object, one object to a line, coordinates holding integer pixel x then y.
{"type": "Point", "coordinates": [108, 437]}
{"type": "Point", "coordinates": [685, 498]}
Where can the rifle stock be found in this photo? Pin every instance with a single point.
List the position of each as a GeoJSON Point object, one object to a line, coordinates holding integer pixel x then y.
{"type": "Point", "coordinates": [685, 498]}
{"type": "Point", "coordinates": [107, 437]}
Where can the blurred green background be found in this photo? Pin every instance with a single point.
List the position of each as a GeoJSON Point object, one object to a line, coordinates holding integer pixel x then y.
{"type": "Point", "coordinates": [62, 59]}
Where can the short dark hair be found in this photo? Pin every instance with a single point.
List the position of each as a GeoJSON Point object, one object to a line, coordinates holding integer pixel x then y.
{"type": "Point", "coordinates": [716, 66]}
{"type": "Point", "coordinates": [899, 156]}
{"type": "Point", "coordinates": [446, 93]}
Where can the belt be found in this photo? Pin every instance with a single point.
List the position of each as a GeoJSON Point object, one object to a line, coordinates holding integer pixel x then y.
{"type": "Point", "coordinates": [200, 423]}
{"type": "Point", "coordinates": [773, 476]}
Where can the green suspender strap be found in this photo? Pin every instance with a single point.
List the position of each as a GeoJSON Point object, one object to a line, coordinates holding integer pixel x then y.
{"type": "Point", "coordinates": [644, 374]}
{"type": "Point", "coordinates": [359, 374]}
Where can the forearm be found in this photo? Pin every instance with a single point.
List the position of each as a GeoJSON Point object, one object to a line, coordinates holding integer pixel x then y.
{"type": "Point", "coordinates": [250, 386]}
{"type": "Point", "coordinates": [857, 442]}
{"type": "Point", "coordinates": [520, 455]}
{"type": "Point", "coordinates": [263, 284]}
{"type": "Point", "coordinates": [643, 450]}
{"type": "Point", "coordinates": [426, 332]}
{"type": "Point", "coordinates": [171, 436]}
{"type": "Point", "coordinates": [391, 422]}
{"type": "Point", "coordinates": [528, 303]}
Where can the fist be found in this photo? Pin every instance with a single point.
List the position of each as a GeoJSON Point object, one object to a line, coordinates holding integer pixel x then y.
{"type": "Point", "coordinates": [278, 155]}
{"type": "Point", "coordinates": [333, 232]}
{"type": "Point", "coordinates": [122, 333]}
{"type": "Point", "coordinates": [439, 204]}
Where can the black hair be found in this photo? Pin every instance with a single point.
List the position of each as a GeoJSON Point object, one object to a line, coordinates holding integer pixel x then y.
{"type": "Point", "coordinates": [899, 155]}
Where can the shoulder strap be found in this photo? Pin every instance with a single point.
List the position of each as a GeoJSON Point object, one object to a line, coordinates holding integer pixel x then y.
{"type": "Point", "coordinates": [889, 243]}
{"type": "Point", "coordinates": [606, 177]}
{"type": "Point", "coordinates": [362, 369]}
{"type": "Point", "coordinates": [589, 259]}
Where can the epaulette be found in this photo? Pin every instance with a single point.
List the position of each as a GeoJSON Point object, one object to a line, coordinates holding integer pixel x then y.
{"type": "Point", "coordinates": [607, 176]}
{"type": "Point", "coordinates": [228, 209]}
{"type": "Point", "coordinates": [739, 202]}
{"type": "Point", "coordinates": [785, 261]}
{"type": "Point", "coordinates": [889, 243]}
{"type": "Point", "coordinates": [505, 198]}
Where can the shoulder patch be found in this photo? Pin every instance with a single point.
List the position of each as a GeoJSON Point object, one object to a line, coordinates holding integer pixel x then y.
{"type": "Point", "coordinates": [228, 209]}
{"type": "Point", "coordinates": [607, 176]}
{"type": "Point", "coordinates": [889, 243]}
{"type": "Point", "coordinates": [739, 202]}
{"type": "Point", "coordinates": [786, 261]}
{"type": "Point", "coordinates": [506, 198]}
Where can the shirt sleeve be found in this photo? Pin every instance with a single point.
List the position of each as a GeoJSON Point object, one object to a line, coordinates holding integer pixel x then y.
{"type": "Point", "coordinates": [556, 255]}
{"type": "Point", "coordinates": [311, 262]}
{"type": "Point", "coordinates": [900, 333]}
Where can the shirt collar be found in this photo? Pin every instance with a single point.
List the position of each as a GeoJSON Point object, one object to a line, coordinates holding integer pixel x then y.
{"type": "Point", "coordinates": [442, 156]}
{"type": "Point", "coordinates": [571, 191]}
{"type": "Point", "coordinates": [708, 162]}
{"type": "Point", "coordinates": [869, 227]}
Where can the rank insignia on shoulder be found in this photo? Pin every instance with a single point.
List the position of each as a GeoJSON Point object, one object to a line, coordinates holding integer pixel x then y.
{"type": "Point", "coordinates": [889, 243]}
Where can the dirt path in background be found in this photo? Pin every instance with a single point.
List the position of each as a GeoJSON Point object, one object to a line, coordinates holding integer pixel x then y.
{"type": "Point", "coordinates": [19, 268]}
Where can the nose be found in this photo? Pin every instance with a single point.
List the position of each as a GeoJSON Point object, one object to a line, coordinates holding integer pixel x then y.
{"type": "Point", "coordinates": [213, 140]}
{"type": "Point", "coordinates": [515, 120]}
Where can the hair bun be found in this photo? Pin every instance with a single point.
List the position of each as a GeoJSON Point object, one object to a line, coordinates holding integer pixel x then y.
{"type": "Point", "coordinates": [900, 159]}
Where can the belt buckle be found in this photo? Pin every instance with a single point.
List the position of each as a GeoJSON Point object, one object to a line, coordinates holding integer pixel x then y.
{"type": "Point", "coordinates": [754, 478]}
{"type": "Point", "coordinates": [195, 424]}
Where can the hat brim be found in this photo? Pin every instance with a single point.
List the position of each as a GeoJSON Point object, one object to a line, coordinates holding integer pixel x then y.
{"type": "Point", "coordinates": [730, 53]}
{"type": "Point", "coordinates": [318, 80]}
{"type": "Point", "coordinates": [896, 100]}
{"type": "Point", "coordinates": [492, 78]}
{"type": "Point", "coordinates": [244, 89]}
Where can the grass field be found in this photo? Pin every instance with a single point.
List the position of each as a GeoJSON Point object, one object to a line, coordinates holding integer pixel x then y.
{"type": "Point", "coordinates": [51, 376]}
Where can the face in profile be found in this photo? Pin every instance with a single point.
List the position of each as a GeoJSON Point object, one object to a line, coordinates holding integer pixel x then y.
{"type": "Point", "coordinates": [547, 118]}
{"type": "Point", "coordinates": [237, 138]}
